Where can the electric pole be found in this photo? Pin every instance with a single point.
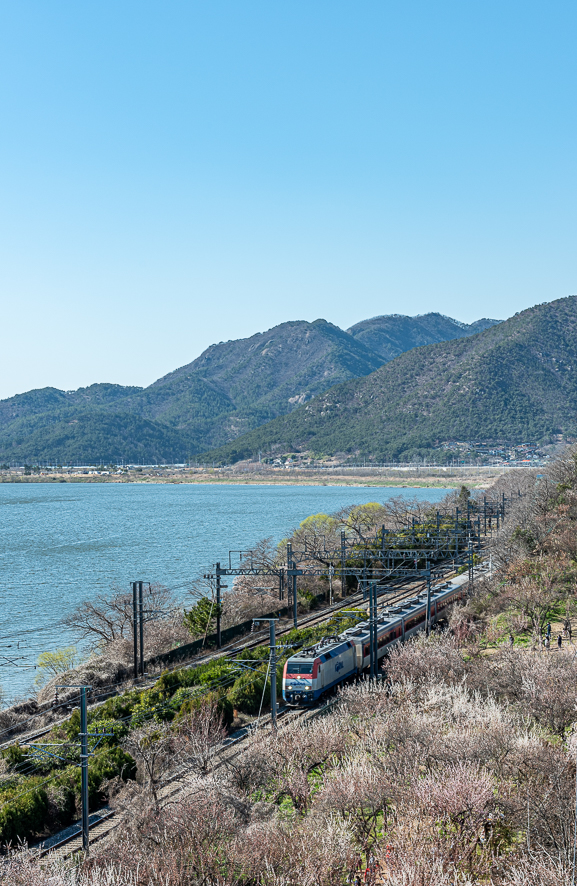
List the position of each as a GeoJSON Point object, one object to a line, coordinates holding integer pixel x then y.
{"type": "Point", "coordinates": [373, 625]}
{"type": "Point", "coordinates": [273, 673]}
{"type": "Point", "coordinates": [292, 573]}
{"type": "Point", "coordinates": [272, 666]}
{"type": "Point", "coordinates": [84, 766]}
{"type": "Point", "coordinates": [83, 735]}
{"type": "Point", "coordinates": [141, 626]}
{"type": "Point", "coordinates": [135, 628]}
{"type": "Point", "coordinates": [428, 616]}
{"type": "Point", "coordinates": [218, 596]}
{"type": "Point", "coordinates": [138, 628]}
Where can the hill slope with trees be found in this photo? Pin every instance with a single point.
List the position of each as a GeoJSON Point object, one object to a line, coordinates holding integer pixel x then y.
{"type": "Point", "coordinates": [232, 388]}
{"type": "Point", "coordinates": [513, 382]}
{"type": "Point", "coordinates": [393, 334]}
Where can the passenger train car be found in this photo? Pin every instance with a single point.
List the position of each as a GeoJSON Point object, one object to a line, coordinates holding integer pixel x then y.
{"type": "Point", "coordinates": [311, 673]}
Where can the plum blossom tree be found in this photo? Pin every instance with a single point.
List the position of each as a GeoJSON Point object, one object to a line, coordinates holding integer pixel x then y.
{"type": "Point", "coordinates": [199, 735]}
{"type": "Point", "coordinates": [360, 794]}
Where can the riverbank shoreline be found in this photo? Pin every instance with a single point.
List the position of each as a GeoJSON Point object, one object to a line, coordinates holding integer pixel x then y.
{"type": "Point", "coordinates": [476, 477]}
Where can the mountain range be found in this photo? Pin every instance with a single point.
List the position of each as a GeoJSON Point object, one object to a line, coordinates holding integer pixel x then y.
{"type": "Point", "coordinates": [513, 382]}
{"type": "Point", "coordinates": [232, 389]}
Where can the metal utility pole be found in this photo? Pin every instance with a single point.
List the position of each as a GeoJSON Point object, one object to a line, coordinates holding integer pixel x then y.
{"type": "Point", "coordinates": [292, 573]}
{"type": "Point", "coordinates": [273, 673]}
{"type": "Point", "coordinates": [135, 627]}
{"type": "Point", "coordinates": [138, 628]}
{"type": "Point", "coordinates": [343, 564]}
{"type": "Point", "coordinates": [218, 596]}
{"type": "Point", "coordinates": [373, 645]}
{"type": "Point", "coordinates": [289, 566]}
{"type": "Point", "coordinates": [428, 614]}
{"type": "Point", "coordinates": [331, 574]}
{"type": "Point", "coordinates": [83, 735]}
{"type": "Point", "coordinates": [272, 666]}
{"type": "Point", "coordinates": [456, 533]}
{"type": "Point", "coordinates": [371, 650]}
{"type": "Point", "coordinates": [84, 766]}
{"type": "Point", "coordinates": [141, 626]}
{"type": "Point", "coordinates": [295, 602]}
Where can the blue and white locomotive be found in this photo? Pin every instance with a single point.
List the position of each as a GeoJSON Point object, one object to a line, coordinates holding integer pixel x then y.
{"type": "Point", "coordinates": [313, 672]}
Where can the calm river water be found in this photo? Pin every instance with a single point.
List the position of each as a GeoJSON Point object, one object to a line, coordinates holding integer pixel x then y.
{"type": "Point", "coordinates": [62, 544]}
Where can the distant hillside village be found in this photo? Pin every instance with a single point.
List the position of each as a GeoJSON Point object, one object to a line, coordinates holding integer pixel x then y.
{"type": "Point", "coordinates": [490, 453]}
{"type": "Point", "coordinates": [451, 452]}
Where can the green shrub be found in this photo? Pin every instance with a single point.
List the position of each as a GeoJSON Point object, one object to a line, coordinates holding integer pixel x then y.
{"type": "Point", "coordinates": [114, 731]}
{"type": "Point", "coordinates": [32, 806]}
{"type": "Point", "coordinates": [24, 811]}
{"type": "Point", "coordinates": [112, 762]}
{"type": "Point", "coordinates": [144, 710]}
{"type": "Point", "coordinates": [62, 802]}
{"type": "Point", "coordinates": [117, 708]}
{"type": "Point", "coordinates": [224, 706]}
{"type": "Point", "coordinates": [247, 692]}
{"type": "Point", "coordinates": [15, 756]}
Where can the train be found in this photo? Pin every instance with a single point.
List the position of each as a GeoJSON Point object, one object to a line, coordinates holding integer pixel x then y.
{"type": "Point", "coordinates": [311, 673]}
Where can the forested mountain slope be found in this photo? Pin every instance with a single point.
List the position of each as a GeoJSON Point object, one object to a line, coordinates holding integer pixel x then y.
{"type": "Point", "coordinates": [232, 388]}
{"type": "Point", "coordinates": [513, 382]}
{"type": "Point", "coordinates": [241, 384]}
{"type": "Point", "coordinates": [393, 334]}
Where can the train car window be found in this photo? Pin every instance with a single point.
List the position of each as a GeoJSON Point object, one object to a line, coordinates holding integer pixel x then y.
{"type": "Point", "coordinates": [299, 667]}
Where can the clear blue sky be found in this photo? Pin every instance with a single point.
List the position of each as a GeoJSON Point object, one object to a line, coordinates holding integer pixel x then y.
{"type": "Point", "coordinates": [179, 173]}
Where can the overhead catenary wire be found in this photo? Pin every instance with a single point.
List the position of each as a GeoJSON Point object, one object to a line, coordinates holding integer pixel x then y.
{"type": "Point", "coordinates": [158, 709]}
{"type": "Point", "coordinates": [150, 714]}
{"type": "Point", "coordinates": [223, 682]}
{"type": "Point", "coordinates": [107, 688]}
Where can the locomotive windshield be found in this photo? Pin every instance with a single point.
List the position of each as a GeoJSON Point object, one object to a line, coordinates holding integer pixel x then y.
{"type": "Point", "coordinates": [299, 667]}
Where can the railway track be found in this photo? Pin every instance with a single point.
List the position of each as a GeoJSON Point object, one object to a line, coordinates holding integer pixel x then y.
{"type": "Point", "coordinates": [105, 821]}
{"type": "Point", "coordinates": [395, 592]}
{"type": "Point", "coordinates": [177, 785]}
